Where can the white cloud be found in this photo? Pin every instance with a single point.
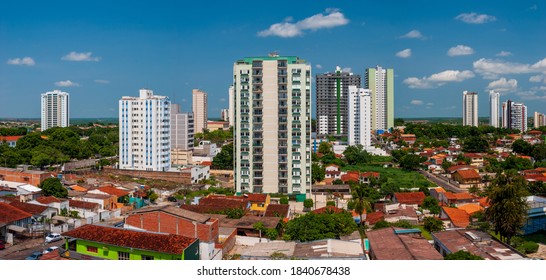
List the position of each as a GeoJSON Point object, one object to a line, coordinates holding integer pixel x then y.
{"type": "Point", "coordinates": [504, 54]}
{"type": "Point", "coordinates": [414, 34]}
{"type": "Point", "coordinates": [438, 79]}
{"type": "Point", "coordinates": [67, 83]}
{"type": "Point", "coordinates": [287, 29]}
{"type": "Point", "coordinates": [102, 81]}
{"type": "Point", "coordinates": [503, 85]}
{"type": "Point", "coordinates": [74, 56]}
{"type": "Point", "coordinates": [430, 104]}
{"type": "Point", "coordinates": [475, 18]}
{"type": "Point", "coordinates": [493, 68]}
{"type": "Point", "coordinates": [223, 100]}
{"type": "Point", "coordinates": [417, 102]}
{"type": "Point", "coordinates": [460, 50]}
{"type": "Point", "coordinates": [537, 78]}
{"type": "Point", "coordinates": [318, 66]}
{"type": "Point", "coordinates": [404, 53]}
{"type": "Point", "coordinates": [28, 61]}
{"type": "Point", "coordinates": [532, 94]}
{"type": "Point", "coordinates": [347, 69]}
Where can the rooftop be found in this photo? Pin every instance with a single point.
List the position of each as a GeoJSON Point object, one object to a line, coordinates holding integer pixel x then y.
{"type": "Point", "coordinates": [410, 197]}
{"type": "Point", "coordinates": [386, 244]}
{"type": "Point", "coordinates": [48, 199]}
{"type": "Point", "coordinates": [113, 191]}
{"type": "Point", "coordinates": [33, 209]}
{"type": "Point", "coordinates": [459, 218]}
{"type": "Point", "coordinates": [82, 204]}
{"type": "Point", "coordinates": [9, 214]}
{"type": "Point", "coordinates": [277, 210]}
{"type": "Point", "coordinates": [175, 211]}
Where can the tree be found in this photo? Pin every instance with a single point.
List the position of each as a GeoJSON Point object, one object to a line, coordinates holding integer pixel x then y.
{"type": "Point", "coordinates": [359, 199]}
{"type": "Point", "coordinates": [224, 159]}
{"type": "Point", "coordinates": [313, 226]}
{"type": "Point", "coordinates": [462, 255]}
{"type": "Point", "coordinates": [317, 173]}
{"type": "Point", "coordinates": [508, 205]}
{"type": "Point", "coordinates": [356, 155]}
{"type": "Point", "coordinates": [431, 204]}
{"type": "Point", "coordinates": [259, 226]}
{"type": "Point", "coordinates": [283, 200]}
{"type": "Point", "coordinates": [308, 203]}
{"type": "Point", "coordinates": [53, 187]}
{"type": "Point", "coordinates": [522, 147]}
{"type": "Point", "coordinates": [411, 161]}
{"type": "Point", "coordinates": [432, 224]}
{"type": "Point", "coordinates": [476, 144]}
{"type": "Point", "coordinates": [325, 148]}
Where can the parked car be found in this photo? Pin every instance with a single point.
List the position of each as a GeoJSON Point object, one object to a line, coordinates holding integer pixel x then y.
{"type": "Point", "coordinates": [2, 245]}
{"type": "Point", "coordinates": [50, 249]}
{"type": "Point", "coordinates": [34, 256]}
{"type": "Point", "coordinates": [52, 237]}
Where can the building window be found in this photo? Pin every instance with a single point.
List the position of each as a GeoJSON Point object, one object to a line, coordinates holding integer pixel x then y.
{"type": "Point", "coordinates": [92, 249]}
{"type": "Point", "coordinates": [147, 258]}
{"type": "Point", "coordinates": [123, 256]}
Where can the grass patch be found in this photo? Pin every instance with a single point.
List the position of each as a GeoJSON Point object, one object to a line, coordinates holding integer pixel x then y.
{"type": "Point", "coordinates": [538, 237]}
{"type": "Point", "coordinates": [404, 179]}
{"type": "Point", "coordinates": [425, 233]}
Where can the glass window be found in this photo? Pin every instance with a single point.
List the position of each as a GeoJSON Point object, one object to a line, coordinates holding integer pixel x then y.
{"type": "Point", "coordinates": [123, 256]}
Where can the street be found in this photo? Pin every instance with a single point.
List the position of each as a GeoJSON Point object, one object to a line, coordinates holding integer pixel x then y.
{"type": "Point", "coordinates": [441, 182]}
{"type": "Point", "coordinates": [24, 249]}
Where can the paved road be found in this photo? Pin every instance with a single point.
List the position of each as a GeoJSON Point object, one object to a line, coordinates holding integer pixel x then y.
{"type": "Point", "coordinates": [441, 181]}
{"type": "Point", "coordinates": [24, 249]}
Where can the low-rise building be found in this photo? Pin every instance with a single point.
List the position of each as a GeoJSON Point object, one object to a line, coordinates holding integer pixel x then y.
{"type": "Point", "coordinates": [468, 178]}
{"type": "Point", "coordinates": [23, 175]}
{"type": "Point", "coordinates": [536, 215]}
{"type": "Point", "coordinates": [400, 244]}
{"type": "Point", "coordinates": [12, 220]}
{"type": "Point", "coordinates": [409, 198]}
{"type": "Point", "coordinates": [454, 218]}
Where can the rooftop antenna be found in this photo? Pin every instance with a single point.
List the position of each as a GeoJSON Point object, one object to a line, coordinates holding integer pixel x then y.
{"type": "Point", "coordinates": [274, 54]}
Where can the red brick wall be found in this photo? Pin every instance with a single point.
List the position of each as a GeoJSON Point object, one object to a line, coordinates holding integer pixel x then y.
{"type": "Point", "coordinates": [163, 222]}
{"type": "Point", "coordinates": [178, 177]}
{"type": "Point", "coordinates": [228, 244]}
{"type": "Point", "coordinates": [14, 175]}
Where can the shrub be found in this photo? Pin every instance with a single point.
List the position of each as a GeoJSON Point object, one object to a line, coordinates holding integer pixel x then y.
{"type": "Point", "coordinates": [284, 200]}
{"type": "Point", "coordinates": [308, 203]}
{"type": "Point", "coordinates": [528, 247]}
{"type": "Point", "coordinates": [331, 203]}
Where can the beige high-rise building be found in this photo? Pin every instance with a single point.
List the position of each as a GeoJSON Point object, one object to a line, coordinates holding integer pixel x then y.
{"type": "Point", "coordinates": [539, 120]}
{"type": "Point", "coordinates": [470, 108]}
{"type": "Point", "coordinates": [200, 112]}
{"type": "Point", "coordinates": [272, 132]}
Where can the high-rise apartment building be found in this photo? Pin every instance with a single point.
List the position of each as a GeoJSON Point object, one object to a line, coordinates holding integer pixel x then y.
{"type": "Point", "coordinates": [494, 105]}
{"type": "Point", "coordinates": [539, 120]}
{"type": "Point", "coordinates": [332, 96]}
{"type": "Point", "coordinates": [514, 116]}
{"type": "Point", "coordinates": [231, 107]}
{"type": "Point", "coordinates": [200, 112]}
{"type": "Point", "coordinates": [380, 82]}
{"type": "Point", "coordinates": [470, 108]}
{"type": "Point", "coordinates": [224, 115]}
{"type": "Point", "coordinates": [55, 111]}
{"type": "Point", "coordinates": [360, 114]}
{"type": "Point", "coordinates": [181, 135]}
{"type": "Point", "coordinates": [144, 132]}
{"type": "Point", "coordinates": [272, 131]}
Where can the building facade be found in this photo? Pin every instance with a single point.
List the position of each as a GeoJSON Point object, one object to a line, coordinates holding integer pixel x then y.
{"type": "Point", "coordinates": [514, 116]}
{"type": "Point", "coordinates": [332, 96]}
{"type": "Point", "coordinates": [470, 108]}
{"type": "Point", "coordinates": [272, 131]}
{"type": "Point", "coordinates": [55, 109]}
{"type": "Point", "coordinates": [181, 135]}
{"type": "Point", "coordinates": [144, 132]}
{"type": "Point", "coordinates": [231, 106]}
{"type": "Point", "coordinates": [381, 83]}
{"type": "Point", "coordinates": [359, 104]}
{"type": "Point", "coordinates": [539, 120]}
{"type": "Point", "coordinates": [200, 112]}
{"type": "Point", "coordinates": [494, 103]}
{"type": "Point", "coordinates": [224, 115]}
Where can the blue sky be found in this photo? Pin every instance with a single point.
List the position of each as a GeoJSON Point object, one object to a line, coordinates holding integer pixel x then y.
{"type": "Point", "coordinates": [99, 51]}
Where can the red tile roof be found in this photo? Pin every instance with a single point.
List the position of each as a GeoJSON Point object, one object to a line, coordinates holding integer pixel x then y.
{"type": "Point", "coordinates": [469, 174]}
{"type": "Point", "coordinates": [484, 202]}
{"type": "Point", "coordinates": [206, 163]}
{"type": "Point", "coordinates": [9, 138]}
{"type": "Point", "coordinates": [458, 167]}
{"type": "Point", "coordinates": [164, 243]}
{"type": "Point", "coordinates": [9, 214]}
{"type": "Point", "coordinates": [458, 217]}
{"type": "Point", "coordinates": [82, 204]}
{"type": "Point", "coordinates": [410, 197]}
{"type": "Point", "coordinates": [470, 208]}
{"type": "Point", "coordinates": [113, 191]}
{"type": "Point", "coordinates": [369, 174]}
{"type": "Point", "coordinates": [350, 176]}
{"type": "Point", "coordinates": [459, 196]}
{"type": "Point", "coordinates": [256, 197]}
{"type": "Point", "coordinates": [48, 199]}
{"type": "Point", "coordinates": [33, 209]}
{"type": "Point", "coordinates": [374, 217]}
{"type": "Point", "coordinates": [277, 210]}
{"type": "Point", "coordinates": [328, 209]}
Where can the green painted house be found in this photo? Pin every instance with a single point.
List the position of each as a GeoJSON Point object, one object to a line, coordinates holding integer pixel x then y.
{"type": "Point", "coordinates": [99, 242]}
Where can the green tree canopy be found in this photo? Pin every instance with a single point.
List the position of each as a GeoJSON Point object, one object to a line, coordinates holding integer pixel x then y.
{"type": "Point", "coordinates": [317, 173]}
{"type": "Point", "coordinates": [356, 155]}
{"type": "Point", "coordinates": [53, 187]}
{"type": "Point", "coordinates": [476, 144]}
{"type": "Point", "coordinates": [411, 161]}
{"type": "Point", "coordinates": [313, 226]}
{"type": "Point", "coordinates": [432, 224]}
{"type": "Point", "coordinates": [462, 255]}
{"type": "Point", "coordinates": [431, 204]}
{"type": "Point", "coordinates": [224, 159]}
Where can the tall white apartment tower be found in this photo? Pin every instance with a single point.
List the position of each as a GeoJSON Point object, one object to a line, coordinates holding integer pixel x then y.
{"type": "Point", "coordinates": [380, 81]}
{"type": "Point", "coordinates": [272, 132]}
{"type": "Point", "coordinates": [200, 112]}
{"type": "Point", "coordinates": [231, 107]}
{"type": "Point", "coordinates": [514, 116]}
{"type": "Point", "coordinates": [55, 109]}
{"type": "Point", "coordinates": [360, 122]}
{"type": "Point", "coordinates": [470, 108]}
{"type": "Point", "coordinates": [144, 132]}
{"type": "Point", "coordinates": [494, 104]}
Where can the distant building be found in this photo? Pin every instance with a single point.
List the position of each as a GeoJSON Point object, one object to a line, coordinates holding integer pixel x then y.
{"type": "Point", "coordinates": [11, 141]}
{"type": "Point", "coordinates": [182, 135]}
{"type": "Point", "coordinates": [381, 83]}
{"type": "Point", "coordinates": [494, 108]}
{"type": "Point", "coordinates": [231, 107]}
{"type": "Point", "coordinates": [200, 111]}
{"type": "Point", "coordinates": [359, 117]}
{"type": "Point", "coordinates": [514, 116]}
{"type": "Point", "coordinates": [224, 114]}
{"type": "Point", "coordinates": [55, 109]}
{"type": "Point", "coordinates": [539, 120]}
{"type": "Point", "coordinates": [470, 108]}
{"type": "Point", "coordinates": [400, 244]}
{"type": "Point", "coordinates": [144, 132]}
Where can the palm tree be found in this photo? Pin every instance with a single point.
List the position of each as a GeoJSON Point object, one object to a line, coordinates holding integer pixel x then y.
{"type": "Point", "coordinates": [360, 204]}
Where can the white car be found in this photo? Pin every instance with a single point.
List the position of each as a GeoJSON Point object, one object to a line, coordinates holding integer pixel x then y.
{"type": "Point", "coordinates": [53, 237]}
{"type": "Point", "coordinates": [50, 249]}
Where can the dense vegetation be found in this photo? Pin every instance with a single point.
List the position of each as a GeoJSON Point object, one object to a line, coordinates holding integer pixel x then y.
{"type": "Point", "coordinates": [312, 226]}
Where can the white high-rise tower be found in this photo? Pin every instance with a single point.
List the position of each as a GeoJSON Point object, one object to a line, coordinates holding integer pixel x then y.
{"type": "Point", "coordinates": [470, 108]}
{"type": "Point", "coordinates": [494, 108]}
{"type": "Point", "coordinates": [55, 109]}
{"type": "Point", "coordinates": [359, 103]}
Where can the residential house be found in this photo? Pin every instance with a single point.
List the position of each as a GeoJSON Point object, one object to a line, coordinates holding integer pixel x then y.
{"type": "Point", "coordinates": [409, 198]}
{"type": "Point", "coordinates": [85, 209]}
{"type": "Point", "coordinates": [468, 178]}
{"type": "Point", "coordinates": [39, 212]}
{"type": "Point", "coordinates": [121, 196]}
{"type": "Point", "coordinates": [98, 242]}
{"type": "Point", "coordinates": [408, 138]}
{"type": "Point", "coordinates": [374, 217]}
{"type": "Point", "coordinates": [106, 202]}
{"type": "Point", "coordinates": [454, 218]}
{"type": "Point", "coordinates": [219, 204]}
{"type": "Point", "coordinates": [400, 244]}
{"type": "Point", "coordinates": [173, 220]}
{"type": "Point", "coordinates": [325, 249]}
{"type": "Point", "coordinates": [23, 175]}
{"type": "Point", "coordinates": [475, 242]}
{"type": "Point", "coordinates": [457, 199]}
{"type": "Point", "coordinates": [24, 191]}
{"type": "Point", "coordinates": [258, 201]}
{"type": "Point", "coordinates": [471, 208]}
{"type": "Point", "coordinates": [332, 172]}
{"type": "Point", "coordinates": [476, 159]}
{"type": "Point", "coordinates": [436, 192]}
{"type": "Point", "coordinates": [397, 212]}
{"type": "Point", "coordinates": [536, 215]}
{"type": "Point", "coordinates": [328, 210]}
{"type": "Point", "coordinates": [12, 220]}
{"type": "Point", "coordinates": [11, 141]}
{"type": "Point", "coordinates": [51, 201]}
{"type": "Point", "coordinates": [278, 210]}
{"type": "Point", "coordinates": [245, 225]}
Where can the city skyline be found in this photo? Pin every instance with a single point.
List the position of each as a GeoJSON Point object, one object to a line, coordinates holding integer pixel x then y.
{"type": "Point", "coordinates": [99, 59]}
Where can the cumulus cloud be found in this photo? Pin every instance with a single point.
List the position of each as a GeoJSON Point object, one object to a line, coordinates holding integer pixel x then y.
{"type": "Point", "coordinates": [86, 56]}
{"type": "Point", "coordinates": [404, 53]}
{"type": "Point", "coordinates": [493, 68]}
{"type": "Point", "coordinates": [417, 102]}
{"type": "Point", "coordinates": [460, 50]}
{"type": "Point", "coordinates": [347, 69]}
{"type": "Point", "coordinates": [503, 85]}
{"type": "Point", "coordinates": [438, 79]}
{"type": "Point", "coordinates": [318, 66]}
{"type": "Point", "coordinates": [67, 83]}
{"type": "Point", "coordinates": [532, 94]}
{"type": "Point", "coordinates": [475, 18]}
{"type": "Point", "coordinates": [414, 34]}
{"type": "Point", "coordinates": [504, 54]}
{"type": "Point", "coordinates": [102, 81]}
{"type": "Point", "coordinates": [537, 78]}
{"type": "Point", "coordinates": [288, 29]}
{"type": "Point", "coordinates": [28, 61]}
